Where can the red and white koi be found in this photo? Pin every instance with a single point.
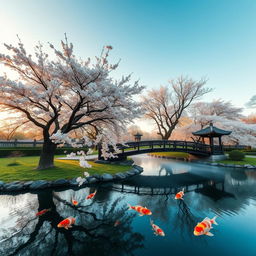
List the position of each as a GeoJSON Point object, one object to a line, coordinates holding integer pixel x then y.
{"type": "Point", "coordinates": [67, 223]}
{"type": "Point", "coordinates": [205, 226]}
{"type": "Point", "coordinates": [92, 195]}
{"type": "Point", "coordinates": [117, 222]}
{"type": "Point", "coordinates": [180, 195]}
{"type": "Point", "coordinates": [43, 212]}
{"type": "Point", "coordinates": [158, 230]}
{"type": "Point", "coordinates": [141, 210]}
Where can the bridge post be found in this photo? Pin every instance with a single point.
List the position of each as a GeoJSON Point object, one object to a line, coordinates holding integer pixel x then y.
{"type": "Point", "coordinates": [174, 145]}
{"type": "Point", "coordinates": [164, 144]}
{"type": "Point", "coordinates": [186, 146]}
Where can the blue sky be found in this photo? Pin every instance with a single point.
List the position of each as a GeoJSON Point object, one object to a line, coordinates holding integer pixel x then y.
{"type": "Point", "coordinates": [156, 40]}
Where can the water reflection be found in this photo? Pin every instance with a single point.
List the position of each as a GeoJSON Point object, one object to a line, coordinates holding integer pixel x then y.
{"type": "Point", "coordinates": [31, 235]}
{"type": "Point", "coordinates": [228, 193]}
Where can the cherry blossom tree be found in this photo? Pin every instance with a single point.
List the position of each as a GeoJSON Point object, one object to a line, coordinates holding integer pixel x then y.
{"type": "Point", "coordinates": [61, 94]}
{"type": "Point", "coordinates": [203, 113]}
{"type": "Point", "coordinates": [166, 105]}
{"type": "Point", "coordinates": [223, 115]}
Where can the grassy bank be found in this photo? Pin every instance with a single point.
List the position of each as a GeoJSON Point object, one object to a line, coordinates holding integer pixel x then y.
{"type": "Point", "coordinates": [23, 169]}
{"type": "Point", "coordinates": [171, 154]}
{"type": "Point", "coordinates": [247, 160]}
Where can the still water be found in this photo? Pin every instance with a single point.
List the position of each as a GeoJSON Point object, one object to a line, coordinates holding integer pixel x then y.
{"type": "Point", "coordinates": [105, 226]}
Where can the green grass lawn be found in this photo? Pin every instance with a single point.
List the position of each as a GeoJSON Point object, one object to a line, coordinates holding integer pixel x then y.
{"type": "Point", "coordinates": [247, 160]}
{"type": "Point", "coordinates": [23, 169]}
{"type": "Point", "coordinates": [171, 154]}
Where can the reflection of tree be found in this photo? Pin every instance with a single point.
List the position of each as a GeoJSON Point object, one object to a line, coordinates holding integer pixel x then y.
{"type": "Point", "coordinates": [93, 232]}
{"type": "Point", "coordinates": [184, 221]}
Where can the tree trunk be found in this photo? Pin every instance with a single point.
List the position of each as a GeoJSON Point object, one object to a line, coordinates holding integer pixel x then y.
{"type": "Point", "coordinates": [47, 155]}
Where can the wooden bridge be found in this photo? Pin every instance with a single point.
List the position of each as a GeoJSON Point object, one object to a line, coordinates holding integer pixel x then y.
{"type": "Point", "coordinates": [149, 146]}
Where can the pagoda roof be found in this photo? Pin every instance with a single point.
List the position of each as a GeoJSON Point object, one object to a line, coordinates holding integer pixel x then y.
{"type": "Point", "coordinates": [211, 131]}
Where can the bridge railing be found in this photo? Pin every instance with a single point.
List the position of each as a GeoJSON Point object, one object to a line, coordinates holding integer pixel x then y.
{"type": "Point", "coordinates": [164, 144]}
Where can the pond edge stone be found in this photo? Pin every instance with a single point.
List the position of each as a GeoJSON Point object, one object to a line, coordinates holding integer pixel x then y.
{"type": "Point", "coordinates": [42, 184]}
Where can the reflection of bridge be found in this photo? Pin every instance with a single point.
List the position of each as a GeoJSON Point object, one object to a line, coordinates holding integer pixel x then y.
{"type": "Point", "coordinates": [211, 185]}
{"type": "Point", "coordinates": [142, 147]}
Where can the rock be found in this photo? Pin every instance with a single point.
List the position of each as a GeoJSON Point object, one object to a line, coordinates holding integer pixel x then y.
{"type": "Point", "coordinates": [107, 177]}
{"type": "Point", "coordinates": [138, 167]}
{"type": "Point", "coordinates": [13, 186]}
{"type": "Point", "coordinates": [1, 184]}
{"type": "Point", "coordinates": [27, 184]}
{"type": "Point", "coordinates": [97, 176]}
{"type": "Point", "coordinates": [73, 182]}
{"type": "Point", "coordinates": [136, 171]}
{"type": "Point", "coordinates": [39, 184]}
{"type": "Point", "coordinates": [91, 180]}
{"type": "Point", "coordinates": [214, 164]}
{"type": "Point", "coordinates": [120, 176]}
{"type": "Point", "coordinates": [60, 182]}
{"type": "Point", "coordinates": [238, 166]}
{"type": "Point", "coordinates": [131, 172]}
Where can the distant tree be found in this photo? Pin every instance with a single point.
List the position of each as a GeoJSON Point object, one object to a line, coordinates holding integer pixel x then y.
{"type": "Point", "coordinates": [252, 102]}
{"type": "Point", "coordinates": [165, 106]}
{"type": "Point", "coordinates": [203, 113]}
{"type": "Point", "coordinates": [251, 119]}
{"type": "Point", "coordinates": [64, 94]}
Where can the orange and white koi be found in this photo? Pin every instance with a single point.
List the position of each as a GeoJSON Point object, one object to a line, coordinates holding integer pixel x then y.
{"type": "Point", "coordinates": [43, 212]}
{"type": "Point", "coordinates": [67, 223]}
{"type": "Point", "coordinates": [91, 195]}
{"type": "Point", "coordinates": [140, 209]}
{"type": "Point", "coordinates": [74, 202]}
{"type": "Point", "coordinates": [180, 195]}
{"type": "Point", "coordinates": [158, 231]}
{"type": "Point", "coordinates": [205, 226]}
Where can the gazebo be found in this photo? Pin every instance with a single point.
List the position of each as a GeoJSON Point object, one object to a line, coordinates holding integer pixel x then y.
{"type": "Point", "coordinates": [212, 132]}
{"type": "Point", "coordinates": [137, 137]}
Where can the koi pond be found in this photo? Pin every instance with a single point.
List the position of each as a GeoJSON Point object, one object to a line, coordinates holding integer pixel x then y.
{"type": "Point", "coordinates": [104, 225]}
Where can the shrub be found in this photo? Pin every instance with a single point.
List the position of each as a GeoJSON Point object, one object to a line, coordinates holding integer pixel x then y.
{"type": "Point", "coordinates": [236, 155]}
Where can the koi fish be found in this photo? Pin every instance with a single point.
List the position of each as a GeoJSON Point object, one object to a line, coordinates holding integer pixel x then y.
{"type": "Point", "coordinates": [117, 223]}
{"type": "Point", "coordinates": [74, 202]}
{"type": "Point", "coordinates": [180, 195]}
{"type": "Point", "coordinates": [158, 231]}
{"type": "Point", "coordinates": [204, 227]}
{"type": "Point", "coordinates": [140, 209]}
{"type": "Point", "coordinates": [67, 223]}
{"type": "Point", "coordinates": [91, 195]}
{"type": "Point", "coordinates": [43, 212]}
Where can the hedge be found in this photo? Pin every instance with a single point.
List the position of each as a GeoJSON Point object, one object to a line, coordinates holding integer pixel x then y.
{"type": "Point", "coordinates": [16, 152]}
{"type": "Point", "coordinates": [236, 155]}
